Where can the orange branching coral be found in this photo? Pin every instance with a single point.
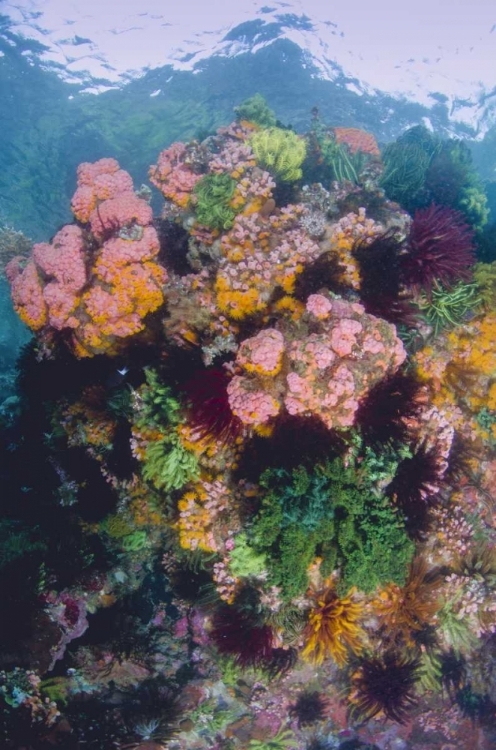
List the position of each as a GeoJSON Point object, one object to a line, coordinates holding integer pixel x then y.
{"type": "Point", "coordinates": [332, 629]}
{"type": "Point", "coordinates": [193, 317]}
{"type": "Point", "coordinates": [357, 140]}
{"type": "Point", "coordinates": [407, 608]}
{"type": "Point", "coordinates": [143, 506]}
{"type": "Point", "coordinates": [212, 458]}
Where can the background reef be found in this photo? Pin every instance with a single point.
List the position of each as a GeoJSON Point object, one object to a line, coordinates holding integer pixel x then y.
{"type": "Point", "coordinates": [51, 124]}
{"type": "Point", "coordinates": [249, 462]}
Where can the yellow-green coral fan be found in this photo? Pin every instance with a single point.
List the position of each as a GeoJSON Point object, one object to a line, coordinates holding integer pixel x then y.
{"type": "Point", "coordinates": [280, 151]}
{"type": "Point", "coordinates": [485, 278]}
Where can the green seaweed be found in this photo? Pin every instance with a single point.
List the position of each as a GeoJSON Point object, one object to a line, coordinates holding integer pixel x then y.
{"type": "Point", "coordinates": [343, 165]}
{"type": "Point", "coordinates": [485, 278]}
{"type": "Point", "coordinates": [244, 560]}
{"type": "Point", "coordinates": [338, 513]}
{"type": "Point", "coordinates": [158, 407]}
{"type": "Point", "coordinates": [420, 169]}
{"type": "Point", "coordinates": [473, 204]}
{"type": "Point", "coordinates": [116, 526]}
{"type": "Point", "coordinates": [486, 419]}
{"type": "Point", "coordinates": [135, 541]}
{"type": "Point", "coordinates": [282, 740]}
{"type": "Point", "coordinates": [255, 109]}
{"type": "Point", "coordinates": [406, 162]}
{"type": "Point", "coordinates": [17, 541]}
{"type": "Point", "coordinates": [303, 497]}
{"type": "Point", "coordinates": [431, 671]}
{"type": "Point", "coordinates": [452, 180]}
{"type": "Point", "coordinates": [56, 689]}
{"type": "Point", "coordinates": [455, 629]}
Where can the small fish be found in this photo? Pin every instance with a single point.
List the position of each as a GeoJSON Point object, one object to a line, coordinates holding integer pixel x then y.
{"type": "Point", "coordinates": [116, 378]}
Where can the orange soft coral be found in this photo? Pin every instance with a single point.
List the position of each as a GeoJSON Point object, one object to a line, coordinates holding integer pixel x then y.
{"type": "Point", "coordinates": [261, 254]}
{"type": "Point", "coordinates": [357, 140]}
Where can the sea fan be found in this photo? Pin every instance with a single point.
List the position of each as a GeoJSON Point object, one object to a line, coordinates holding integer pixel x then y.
{"type": "Point", "coordinates": [385, 684]}
{"type": "Point", "coordinates": [440, 248]}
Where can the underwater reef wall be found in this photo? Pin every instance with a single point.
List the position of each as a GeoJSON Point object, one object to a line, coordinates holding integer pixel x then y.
{"type": "Point", "coordinates": [251, 486]}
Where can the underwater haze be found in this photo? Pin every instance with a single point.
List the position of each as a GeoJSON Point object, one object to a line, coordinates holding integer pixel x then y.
{"type": "Point", "coordinates": [248, 370]}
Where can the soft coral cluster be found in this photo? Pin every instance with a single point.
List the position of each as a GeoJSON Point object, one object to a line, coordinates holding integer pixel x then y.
{"type": "Point", "coordinates": [100, 280]}
{"type": "Point", "coordinates": [48, 290]}
{"type": "Point", "coordinates": [97, 182]}
{"type": "Point", "coordinates": [173, 175]}
{"type": "Point", "coordinates": [322, 367]}
{"type": "Point", "coordinates": [260, 255]}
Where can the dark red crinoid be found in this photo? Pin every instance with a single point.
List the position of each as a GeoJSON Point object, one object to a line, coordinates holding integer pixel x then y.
{"type": "Point", "coordinates": [238, 634]}
{"type": "Point", "coordinates": [309, 708]}
{"type": "Point", "coordinates": [416, 487]}
{"type": "Point", "coordinates": [440, 248]}
{"type": "Point", "coordinates": [384, 414]}
{"type": "Point", "coordinates": [381, 290]}
{"type": "Point", "coordinates": [210, 411]}
{"type": "Point", "coordinates": [385, 684]}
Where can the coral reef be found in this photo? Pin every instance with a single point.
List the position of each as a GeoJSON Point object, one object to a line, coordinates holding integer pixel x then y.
{"type": "Point", "coordinates": [248, 488]}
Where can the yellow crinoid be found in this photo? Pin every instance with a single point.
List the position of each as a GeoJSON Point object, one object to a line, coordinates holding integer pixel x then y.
{"type": "Point", "coordinates": [280, 151]}
{"type": "Point", "coordinates": [332, 628]}
{"type": "Point", "coordinates": [406, 609]}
